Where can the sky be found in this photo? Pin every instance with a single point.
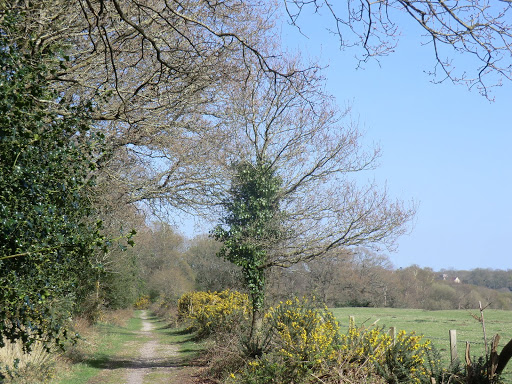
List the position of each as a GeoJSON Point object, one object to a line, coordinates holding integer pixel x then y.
{"type": "Point", "coordinates": [443, 146]}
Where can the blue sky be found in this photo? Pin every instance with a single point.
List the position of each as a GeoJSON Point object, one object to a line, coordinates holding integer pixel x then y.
{"type": "Point", "coordinates": [443, 146]}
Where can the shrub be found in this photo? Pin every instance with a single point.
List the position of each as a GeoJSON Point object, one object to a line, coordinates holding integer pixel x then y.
{"type": "Point", "coordinates": [166, 308]}
{"type": "Point", "coordinates": [307, 348]}
{"type": "Point", "coordinates": [142, 302]}
{"type": "Point", "coordinates": [213, 311]}
{"type": "Point", "coordinates": [303, 338]}
{"type": "Point", "coordinates": [305, 335]}
{"type": "Point", "coordinates": [409, 360]}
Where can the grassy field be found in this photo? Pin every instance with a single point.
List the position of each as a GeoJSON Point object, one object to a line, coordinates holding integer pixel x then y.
{"type": "Point", "coordinates": [435, 325]}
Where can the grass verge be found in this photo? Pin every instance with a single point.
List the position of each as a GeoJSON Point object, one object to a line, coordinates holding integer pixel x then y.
{"type": "Point", "coordinates": [110, 346]}
{"type": "Point", "coordinates": [94, 352]}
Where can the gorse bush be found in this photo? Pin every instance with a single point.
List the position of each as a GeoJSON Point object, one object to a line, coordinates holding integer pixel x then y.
{"type": "Point", "coordinates": [142, 302]}
{"type": "Point", "coordinates": [303, 338]}
{"type": "Point", "coordinates": [371, 352]}
{"type": "Point", "coordinates": [307, 347]}
{"type": "Point", "coordinates": [303, 345]}
{"type": "Point", "coordinates": [305, 335]}
{"type": "Point", "coordinates": [213, 311]}
{"type": "Point", "coordinates": [410, 359]}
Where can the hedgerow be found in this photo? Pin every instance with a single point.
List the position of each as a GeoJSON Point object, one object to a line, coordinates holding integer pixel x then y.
{"type": "Point", "coordinates": [306, 346]}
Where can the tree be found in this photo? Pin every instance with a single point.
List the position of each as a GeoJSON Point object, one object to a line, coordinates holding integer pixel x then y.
{"type": "Point", "coordinates": [163, 264]}
{"type": "Point", "coordinates": [153, 71]}
{"type": "Point", "coordinates": [47, 231]}
{"type": "Point", "coordinates": [157, 71]}
{"type": "Point", "coordinates": [290, 198]}
{"type": "Point", "coordinates": [251, 228]}
{"type": "Point", "coordinates": [306, 143]}
{"type": "Point", "coordinates": [211, 272]}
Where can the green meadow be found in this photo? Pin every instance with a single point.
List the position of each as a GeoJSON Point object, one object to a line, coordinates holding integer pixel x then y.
{"type": "Point", "coordinates": [435, 325]}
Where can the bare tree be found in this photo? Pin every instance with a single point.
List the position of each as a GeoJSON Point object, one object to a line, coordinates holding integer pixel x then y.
{"type": "Point", "coordinates": [315, 149]}
{"type": "Point", "coordinates": [152, 69]}
{"type": "Point", "coordinates": [471, 40]}
{"type": "Point", "coordinates": [156, 70]}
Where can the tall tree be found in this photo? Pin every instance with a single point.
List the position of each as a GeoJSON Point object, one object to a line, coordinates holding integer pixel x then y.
{"type": "Point", "coordinates": [315, 150]}
{"type": "Point", "coordinates": [157, 70]}
{"type": "Point", "coordinates": [153, 70]}
{"type": "Point", "coordinates": [291, 199]}
{"type": "Point", "coordinates": [47, 236]}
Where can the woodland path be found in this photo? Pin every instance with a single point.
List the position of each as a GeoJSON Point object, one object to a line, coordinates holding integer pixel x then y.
{"type": "Point", "coordinates": [154, 359]}
{"type": "Point", "coordinates": [147, 357]}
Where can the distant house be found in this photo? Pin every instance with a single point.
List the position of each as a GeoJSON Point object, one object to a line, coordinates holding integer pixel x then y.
{"type": "Point", "coordinates": [447, 277]}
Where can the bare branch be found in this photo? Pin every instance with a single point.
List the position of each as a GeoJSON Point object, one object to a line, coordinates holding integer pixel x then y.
{"type": "Point", "coordinates": [471, 41]}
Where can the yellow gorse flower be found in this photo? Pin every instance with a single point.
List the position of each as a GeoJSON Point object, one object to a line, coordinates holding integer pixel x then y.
{"type": "Point", "coordinates": [308, 336]}
{"type": "Point", "coordinates": [211, 310]}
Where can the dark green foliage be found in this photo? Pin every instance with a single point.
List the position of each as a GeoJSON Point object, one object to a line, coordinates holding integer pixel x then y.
{"type": "Point", "coordinates": [122, 288]}
{"type": "Point", "coordinates": [46, 237]}
{"type": "Point", "coordinates": [252, 224]}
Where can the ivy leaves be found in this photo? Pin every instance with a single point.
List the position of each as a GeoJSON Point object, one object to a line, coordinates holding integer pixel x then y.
{"type": "Point", "coordinates": [251, 224]}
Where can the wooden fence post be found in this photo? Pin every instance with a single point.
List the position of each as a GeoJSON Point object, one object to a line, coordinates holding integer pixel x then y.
{"type": "Point", "coordinates": [453, 345]}
{"type": "Point", "coordinates": [392, 333]}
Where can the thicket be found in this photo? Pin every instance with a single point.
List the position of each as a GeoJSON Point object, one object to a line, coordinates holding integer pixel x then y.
{"type": "Point", "coordinates": [303, 344]}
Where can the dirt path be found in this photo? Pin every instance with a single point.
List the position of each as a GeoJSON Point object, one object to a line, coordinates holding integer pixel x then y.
{"type": "Point", "coordinates": [147, 358]}
{"type": "Point", "coordinates": [152, 358]}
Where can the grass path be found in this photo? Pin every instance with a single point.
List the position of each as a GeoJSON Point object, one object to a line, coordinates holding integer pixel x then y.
{"type": "Point", "coordinates": [145, 351]}
{"type": "Point", "coordinates": [154, 359]}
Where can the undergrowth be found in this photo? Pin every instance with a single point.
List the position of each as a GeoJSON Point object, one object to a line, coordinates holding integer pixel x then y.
{"type": "Point", "coordinates": [305, 346]}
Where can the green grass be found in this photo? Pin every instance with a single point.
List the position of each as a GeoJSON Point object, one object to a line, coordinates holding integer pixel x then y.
{"type": "Point", "coordinates": [435, 325]}
{"type": "Point", "coordinates": [109, 340]}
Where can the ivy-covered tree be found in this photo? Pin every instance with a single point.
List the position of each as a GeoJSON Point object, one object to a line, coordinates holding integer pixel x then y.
{"type": "Point", "coordinates": [251, 227]}
{"type": "Point", "coordinates": [46, 228]}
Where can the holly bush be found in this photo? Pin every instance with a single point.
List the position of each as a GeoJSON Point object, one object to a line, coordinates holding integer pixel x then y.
{"type": "Point", "coordinates": [47, 227]}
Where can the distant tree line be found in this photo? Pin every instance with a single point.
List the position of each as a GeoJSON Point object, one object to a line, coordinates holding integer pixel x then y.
{"type": "Point", "coordinates": [363, 278]}
{"type": "Point", "coordinates": [484, 277]}
{"type": "Point", "coordinates": [170, 265]}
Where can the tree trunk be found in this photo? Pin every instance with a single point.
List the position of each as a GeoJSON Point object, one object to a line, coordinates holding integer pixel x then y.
{"type": "Point", "coordinates": [255, 347]}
